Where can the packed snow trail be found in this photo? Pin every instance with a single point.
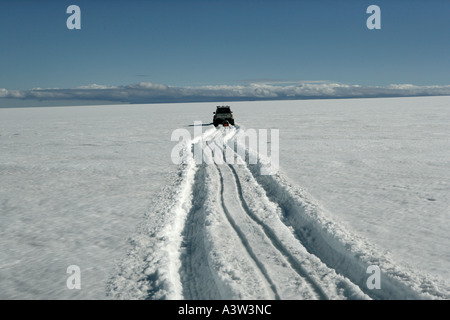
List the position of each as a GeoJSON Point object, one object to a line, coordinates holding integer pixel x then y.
{"type": "Point", "coordinates": [226, 231]}
{"type": "Point", "coordinates": [235, 215]}
{"type": "Point", "coordinates": [279, 272]}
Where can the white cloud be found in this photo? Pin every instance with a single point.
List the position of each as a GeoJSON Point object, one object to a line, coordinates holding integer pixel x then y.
{"type": "Point", "coordinates": [147, 92]}
{"type": "Point", "coordinates": [95, 87]}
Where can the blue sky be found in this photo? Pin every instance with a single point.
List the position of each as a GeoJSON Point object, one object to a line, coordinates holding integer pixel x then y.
{"type": "Point", "coordinates": [221, 43]}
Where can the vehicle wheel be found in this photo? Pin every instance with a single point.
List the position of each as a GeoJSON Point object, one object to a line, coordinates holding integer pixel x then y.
{"type": "Point", "coordinates": [232, 122]}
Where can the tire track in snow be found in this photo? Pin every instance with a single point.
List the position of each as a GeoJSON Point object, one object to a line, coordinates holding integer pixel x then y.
{"type": "Point", "coordinates": [195, 269]}
{"type": "Point", "coordinates": [286, 278]}
{"type": "Point", "coordinates": [215, 262]}
{"type": "Point", "coordinates": [282, 273]}
{"type": "Point", "coordinates": [197, 276]}
{"type": "Point", "coordinates": [323, 280]}
{"type": "Point", "coordinates": [277, 243]}
{"type": "Point", "coordinates": [189, 249]}
{"type": "Point", "coordinates": [206, 259]}
{"type": "Point", "coordinates": [345, 253]}
{"type": "Point", "coordinates": [192, 247]}
{"type": "Point", "coordinates": [320, 281]}
{"type": "Point", "coordinates": [243, 238]}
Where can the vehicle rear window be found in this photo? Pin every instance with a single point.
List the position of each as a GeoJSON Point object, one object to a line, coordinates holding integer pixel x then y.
{"type": "Point", "coordinates": [223, 110]}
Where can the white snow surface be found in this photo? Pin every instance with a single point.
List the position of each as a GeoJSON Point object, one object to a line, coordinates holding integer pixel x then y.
{"type": "Point", "coordinates": [361, 182]}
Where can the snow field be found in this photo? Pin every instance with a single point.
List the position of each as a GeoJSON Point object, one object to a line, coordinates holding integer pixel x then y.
{"type": "Point", "coordinates": [254, 236]}
{"type": "Point", "coordinates": [96, 187]}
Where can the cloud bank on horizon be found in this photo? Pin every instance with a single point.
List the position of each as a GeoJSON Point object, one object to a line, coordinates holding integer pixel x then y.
{"type": "Point", "coordinates": [147, 92]}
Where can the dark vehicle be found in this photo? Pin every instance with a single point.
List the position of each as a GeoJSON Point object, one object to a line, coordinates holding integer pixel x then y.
{"type": "Point", "coordinates": [223, 114]}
